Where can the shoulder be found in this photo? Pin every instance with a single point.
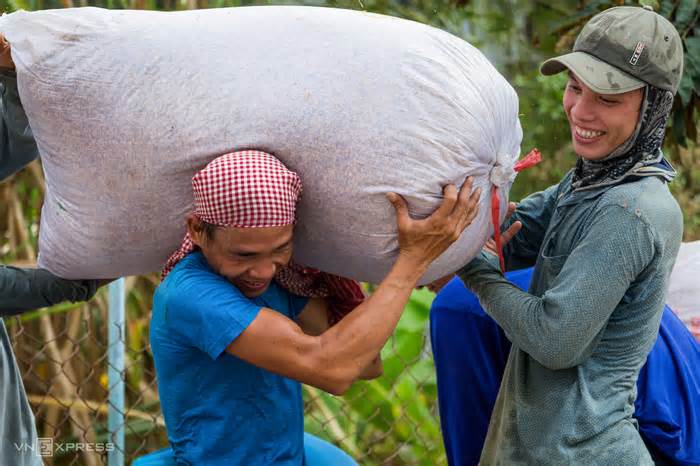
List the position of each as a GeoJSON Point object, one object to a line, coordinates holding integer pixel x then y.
{"type": "Point", "coordinates": [282, 301]}
{"type": "Point", "coordinates": [192, 284]}
{"type": "Point", "coordinates": [191, 271]}
{"type": "Point", "coordinates": [648, 199]}
{"type": "Point", "coordinates": [645, 204]}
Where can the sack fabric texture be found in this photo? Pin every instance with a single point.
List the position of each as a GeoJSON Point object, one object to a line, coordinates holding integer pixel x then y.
{"type": "Point", "coordinates": [127, 105]}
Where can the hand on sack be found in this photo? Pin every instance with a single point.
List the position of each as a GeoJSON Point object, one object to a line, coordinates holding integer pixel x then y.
{"type": "Point", "coordinates": [422, 241]}
{"type": "Point", "coordinates": [5, 55]}
{"type": "Point", "coordinates": [507, 235]}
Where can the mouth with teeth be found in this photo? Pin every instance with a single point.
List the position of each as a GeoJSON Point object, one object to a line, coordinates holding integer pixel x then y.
{"type": "Point", "coordinates": [587, 135]}
{"type": "Point", "coordinates": [254, 286]}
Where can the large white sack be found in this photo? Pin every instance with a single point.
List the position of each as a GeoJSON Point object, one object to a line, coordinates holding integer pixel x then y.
{"type": "Point", "coordinates": [684, 287]}
{"type": "Point", "coordinates": [127, 105]}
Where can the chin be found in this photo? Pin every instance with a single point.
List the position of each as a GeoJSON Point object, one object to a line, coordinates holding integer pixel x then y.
{"type": "Point", "coordinates": [592, 151]}
{"type": "Point", "coordinates": [253, 293]}
{"type": "Point", "coordinates": [592, 157]}
{"type": "Point", "coordinates": [589, 153]}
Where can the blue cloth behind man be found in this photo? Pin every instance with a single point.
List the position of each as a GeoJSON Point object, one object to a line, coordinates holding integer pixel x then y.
{"type": "Point", "coordinates": [471, 351]}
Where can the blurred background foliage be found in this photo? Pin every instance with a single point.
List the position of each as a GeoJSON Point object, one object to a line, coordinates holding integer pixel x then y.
{"type": "Point", "coordinates": [392, 420]}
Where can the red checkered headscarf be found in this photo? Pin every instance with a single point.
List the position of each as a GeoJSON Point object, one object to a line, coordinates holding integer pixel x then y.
{"type": "Point", "coordinates": [246, 189]}
{"type": "Point", "coordinates": [252, 189]}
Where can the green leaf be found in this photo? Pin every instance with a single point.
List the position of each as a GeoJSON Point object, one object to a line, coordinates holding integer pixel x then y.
{"type": "Point", "coordinates": [685, 89]}
{"type": "Point", "coordinates": [685, 13]}
{"type": "Point", "coordinates": [666, 8]}
{"type": "Point", "coordinates": [692, 47]}
{"type": "Point", "coordinates": [397, 356]}
{"type": "Point", "coordinates": [586, 12]}
{"type": "Point", "coordinates": [679, 126]}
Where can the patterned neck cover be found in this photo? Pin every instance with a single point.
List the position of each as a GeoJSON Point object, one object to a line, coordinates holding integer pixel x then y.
{"type": "Point", "coordinates": [635, 155]}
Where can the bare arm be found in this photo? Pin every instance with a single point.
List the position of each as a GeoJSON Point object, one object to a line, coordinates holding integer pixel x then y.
{"type": "Point", "coordinates": [334, 359]}
{"type": "Point", "coordinates": [338, 356]}
{"type": "Point", "coordinates": [313, 320]}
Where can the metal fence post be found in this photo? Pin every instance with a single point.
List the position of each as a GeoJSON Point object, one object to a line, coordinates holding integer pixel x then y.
{"type": "Point", "coordinates": [117, 337]}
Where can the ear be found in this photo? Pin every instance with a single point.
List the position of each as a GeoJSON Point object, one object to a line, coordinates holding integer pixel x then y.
{"type": "Point", "coordinates": [194, 228]}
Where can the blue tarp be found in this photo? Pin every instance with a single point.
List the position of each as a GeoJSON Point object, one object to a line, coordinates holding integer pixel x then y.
{"type": "Point", "coordinates": [471, 351]}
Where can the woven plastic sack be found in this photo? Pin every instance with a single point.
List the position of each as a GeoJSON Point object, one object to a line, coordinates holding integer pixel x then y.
{"type": "Point", "coordinates": [127, 105]}
{"type": "Point", "coordinates": [684, 288]}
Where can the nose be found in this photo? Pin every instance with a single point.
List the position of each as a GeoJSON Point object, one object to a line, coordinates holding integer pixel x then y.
{"type": "Point", "coordinates": [583, 109]}
{"type": "Point", "coordinates": [263, 271]}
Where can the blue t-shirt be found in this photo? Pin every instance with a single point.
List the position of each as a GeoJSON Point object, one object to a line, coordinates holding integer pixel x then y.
{"type": "Point", "coordinates": [218, 409]}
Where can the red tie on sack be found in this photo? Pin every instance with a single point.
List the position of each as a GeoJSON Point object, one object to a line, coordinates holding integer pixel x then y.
{"type": "Point", "coordinates": [530, 160]}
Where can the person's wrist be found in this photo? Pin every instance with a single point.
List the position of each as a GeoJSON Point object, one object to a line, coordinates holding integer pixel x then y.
{"type": "Point", "coordinates": [414, 262]}
{"type": "Point", "coordinates": [417, 257]}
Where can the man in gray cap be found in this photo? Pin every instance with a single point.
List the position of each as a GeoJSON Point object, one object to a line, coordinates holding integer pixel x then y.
{"type": "Point", "coordinates": [603, 242]}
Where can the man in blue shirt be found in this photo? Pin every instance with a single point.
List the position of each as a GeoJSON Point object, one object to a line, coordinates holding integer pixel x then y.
{"type": "Point", "coordinates": [231, 347]}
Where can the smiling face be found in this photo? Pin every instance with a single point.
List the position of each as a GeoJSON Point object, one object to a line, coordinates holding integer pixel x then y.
{"type": "Point", "coordinates": [600, 122]}
{"type": "Point", "coordinates": [247, 257]}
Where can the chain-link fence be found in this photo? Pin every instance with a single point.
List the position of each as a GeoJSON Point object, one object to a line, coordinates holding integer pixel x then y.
{"type": "Point", "coordinates": [63, 355]}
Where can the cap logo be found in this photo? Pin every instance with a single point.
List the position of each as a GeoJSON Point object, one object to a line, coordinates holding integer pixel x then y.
{"type": "Point", "coordinates": [637, 53]}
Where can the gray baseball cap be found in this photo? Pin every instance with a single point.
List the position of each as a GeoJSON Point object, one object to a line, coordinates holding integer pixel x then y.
{"type": "Point", "coordinates": [622, 49]}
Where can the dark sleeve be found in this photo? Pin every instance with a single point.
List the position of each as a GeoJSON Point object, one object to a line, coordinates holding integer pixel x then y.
{"type": "Point", "coordinates": [26, 289]}
{"type": "Point", "coordinates": [17, 145]}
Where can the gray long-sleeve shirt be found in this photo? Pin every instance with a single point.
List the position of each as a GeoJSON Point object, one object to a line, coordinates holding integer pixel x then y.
{"type": "Point", "coordinates": [582, 332]}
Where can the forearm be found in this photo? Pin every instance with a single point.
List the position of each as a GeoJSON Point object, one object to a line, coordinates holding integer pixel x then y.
{"type": "Point", "coordinates": [558, 328]}
{"type": "Point", "coordinates": [26, 289]}
{"type": "Point", "coordinates": [373, 370]}
{"type": "Point", "coordinates": [523, 316]}
{"type": "Point", "coordinates": [350, 346]}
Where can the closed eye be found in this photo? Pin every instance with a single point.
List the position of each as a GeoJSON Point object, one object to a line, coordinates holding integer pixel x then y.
{"type": "Point", "coordinates": [244, 254]}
